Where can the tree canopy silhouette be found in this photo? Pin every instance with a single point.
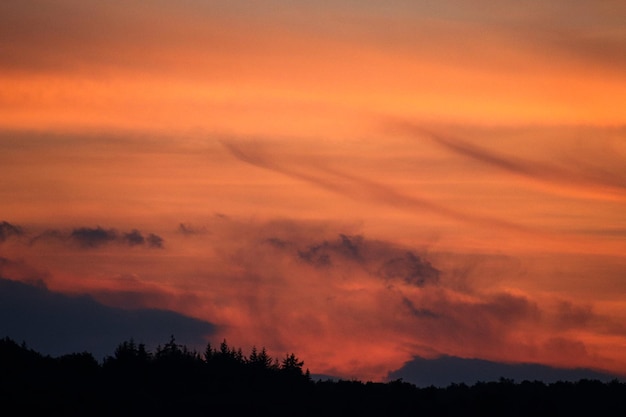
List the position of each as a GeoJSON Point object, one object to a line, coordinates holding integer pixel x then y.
{"type": "Point", "coordinates": [174, 380]}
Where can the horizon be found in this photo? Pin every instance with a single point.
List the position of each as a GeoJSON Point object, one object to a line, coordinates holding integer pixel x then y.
{"type": "Point", "coordinates": [37, 329]}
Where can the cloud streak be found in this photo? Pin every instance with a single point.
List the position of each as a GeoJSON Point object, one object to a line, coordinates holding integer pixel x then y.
{"type": "Point", "coordinates": [360, 188]}
{"type": "Point", "coordinates": [583, 175]}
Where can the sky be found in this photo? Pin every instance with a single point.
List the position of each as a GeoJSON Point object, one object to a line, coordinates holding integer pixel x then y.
{"type": "Point", "coordinates": [366, 184]}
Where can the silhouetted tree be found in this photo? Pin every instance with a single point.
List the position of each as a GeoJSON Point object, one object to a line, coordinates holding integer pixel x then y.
{"type": "Point", "coordinates": [128, 353]}
{"type": "Point", "coordinates": [253, 355]}
{"type": "Point", "coordinates": [177, 381]}
{"type": "Point", "coordinates": [260, 360]}
{"type": "Point", "coordinates": [79, 363]}
{"type": "Point", "coordinates": [291, 366]}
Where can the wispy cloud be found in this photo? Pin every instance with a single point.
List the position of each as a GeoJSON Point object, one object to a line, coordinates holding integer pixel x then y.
{"type": "Point", "coordinates": [358, 187]}
{"type": "Point", "coordinates": [576, 174]}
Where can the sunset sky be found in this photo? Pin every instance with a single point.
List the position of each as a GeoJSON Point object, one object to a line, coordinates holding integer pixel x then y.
{"type": "Point", "coordinates": [358, 182]}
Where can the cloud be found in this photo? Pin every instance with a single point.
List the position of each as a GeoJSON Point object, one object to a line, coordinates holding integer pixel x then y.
{"type": "Point", "coordinates": [95, 237]}
{"type": "Point", "coordinates": [154, 241]}
{"type": "Point", "coordinates": [378, 258]}
{"type": "Point", "coordinates": [278, 243]}
{"type": "Point", "coordinates": [446, 370]}
{"type": "Point", "coordinates": [8, 230]}
{"type": "Point", "coordinates": [418, 312]}
{"type": "Point", "coordinates": [582, 172]}
{"type": "Point", "coordinates": [507, 327]}
{"type": "Point", "coordinates": [314, 256]}
{"type": "Point", "coordinates": [55, 324]}
{"type": "Point", "coordinates": [320, 254]}
{"type": "Point", "coordinates": [486, 321]}
{"type": "Point", "coordinates": [356, 187]}
{"type": "Point", "coordinates": [509, 308]}
{"type": "Point", "coordinates": [412, 269]}
{"type": "Point", "coordinates": [498, 325]}
{"type": "Point", "coordinates": [134, 238]}
{"type": "Point", "coordinates": [570, 315]}
{"type": "Point", "coordinates": [22, 271]}
{"type": "Point", "coordinates": [90, 238]}
{"type": "Point", "coordinates": [188, 230]}
{"type": "Point", "coordinates": [308, 285]}
{"type": "Point", "coordinates": [406, 294]}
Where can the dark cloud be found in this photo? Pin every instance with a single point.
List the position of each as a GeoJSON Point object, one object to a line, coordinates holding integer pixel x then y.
{"type": "Point", "coordinates": [509, 308]}
{"type": "Point", "coordinates": [315, 255]}
{"type": "Point", "coordinates": [8, 230]}
{"type": "Point", "coordinates": [48, 236]}
{"type": "Point", "coordinates": [278, 243]}
{"type": "Point", "coordinates": [90, 238]}
{"type": "Point", "coordinates": [378, 258]}
{"type": "Point", "coordinates": [134, 238]}
{"type": "Point", "coordinates": [55, 324]}
{"type": "Point", "coordinates": [418, 312]}
{"type": "Point", "coordinates": [482, 325]}
{"type": "Point", "coordinates": [446, 370]}
{"type": "Point", "coordinates": [347, 247]}
{"type": "Point", "coordinates": [350, 245]}
{"type": "Point", "coordinates": [570, 315]}
{"type": "Point", "coordinates": [412, 269]}
{"type": "Point", "coordinates": [487, 322]}
{"type": "Point", "coordinates": [87, 237]}
{"type": "Point", "coordinates": [155, 241]}
{"type": "Point", "coordinates": [187, 229]}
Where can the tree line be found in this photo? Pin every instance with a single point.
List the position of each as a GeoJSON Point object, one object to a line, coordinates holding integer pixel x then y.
{"type": "Point", "coordinates": [222, 381]}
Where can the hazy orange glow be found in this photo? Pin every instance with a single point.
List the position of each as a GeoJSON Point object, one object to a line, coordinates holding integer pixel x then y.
{"type": "Point", "coordinates": [302, 166]}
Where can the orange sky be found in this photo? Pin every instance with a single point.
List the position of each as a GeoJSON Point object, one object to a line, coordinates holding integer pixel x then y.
{"type": "Point", "coordinates": [308, 167]}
